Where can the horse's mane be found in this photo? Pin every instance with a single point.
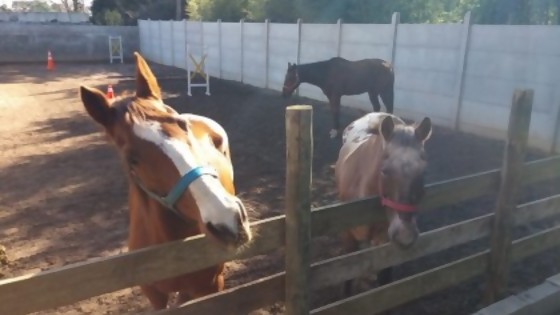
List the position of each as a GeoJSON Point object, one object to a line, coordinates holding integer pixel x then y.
{"type": "Point", "coordinates": [142, 109]}
{"type": "Point", "coordinates": [314, 72]}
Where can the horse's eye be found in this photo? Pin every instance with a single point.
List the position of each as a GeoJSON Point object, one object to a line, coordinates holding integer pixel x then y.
{"type": "Point", "coordinates": [132, 160]}
{"type": "Point", "coordinates": [182, 123]}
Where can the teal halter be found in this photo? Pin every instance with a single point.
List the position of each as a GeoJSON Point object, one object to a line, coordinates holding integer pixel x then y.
{"type": "Point", "coordinates": [176, 192]}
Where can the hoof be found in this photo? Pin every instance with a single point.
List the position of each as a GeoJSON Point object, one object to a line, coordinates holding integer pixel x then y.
{"type": "Point", "coordinates": [333, 133]}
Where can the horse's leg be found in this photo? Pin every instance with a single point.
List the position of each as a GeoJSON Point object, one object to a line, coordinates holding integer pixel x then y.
{"type": "Point", "coordinates": [374, 101]}
{"type": "Point", "coordinates": [388, 95]}
{"type": "Point", "coordinates": [334, 101]}
{"type": "Point", "coordinates": [206, 282]}
{"type": "Point", "coordinates": [157, 299]}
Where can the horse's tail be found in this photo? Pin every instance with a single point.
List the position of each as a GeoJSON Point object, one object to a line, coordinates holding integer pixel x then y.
{"type": "Point", "coordinates": [388, 95]}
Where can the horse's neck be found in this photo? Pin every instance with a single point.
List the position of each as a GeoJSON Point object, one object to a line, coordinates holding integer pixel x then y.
{"type": "Point", "coordinates": [374, 148]}
{"type": "Point", "coordinates": [313, 73]}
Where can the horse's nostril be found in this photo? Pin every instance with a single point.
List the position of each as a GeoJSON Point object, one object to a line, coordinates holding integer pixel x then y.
{"type": "Point", "coordinates": [222, 232]}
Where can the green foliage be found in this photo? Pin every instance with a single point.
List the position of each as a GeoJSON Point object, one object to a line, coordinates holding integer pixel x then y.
{"type": "Point", "coordinates": [130, 11]}
{"type": "Point", "coordinates": [4, 8]}
{"type": "Point", "coordinates": [112, 17]}
{"type": "Point", "coordinates": [32, 6]}
{"type": "Point", "coordinates": [350, 11]}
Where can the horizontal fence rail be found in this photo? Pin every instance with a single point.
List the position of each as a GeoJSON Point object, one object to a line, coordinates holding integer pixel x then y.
{"type": "Point", "coordinates": [336, 270]}
{"type": "Point", "coordinates": [413, 287]}
{"type": "Point", "coordinates": [34, 292]}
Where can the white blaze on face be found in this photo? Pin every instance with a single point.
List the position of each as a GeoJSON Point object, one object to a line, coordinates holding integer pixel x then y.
{"type": "Point", "coordinates": [215, 204]}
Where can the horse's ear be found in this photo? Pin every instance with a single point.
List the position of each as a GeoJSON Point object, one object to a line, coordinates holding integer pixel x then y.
{"type": "Point", "coordinates": [97, 105]}
{"type": "Point", "coordinates": [387, 127]}
{"type": "Point", "coordinates": [424, 130]}
{"type": "Point", "coordinates": [146, 83]}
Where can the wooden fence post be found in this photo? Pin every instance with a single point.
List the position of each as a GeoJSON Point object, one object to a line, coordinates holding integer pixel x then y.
{"type": "Point", "coordinates": [512, 167]}
{"type": "Point", "coordinates": [299, 157]}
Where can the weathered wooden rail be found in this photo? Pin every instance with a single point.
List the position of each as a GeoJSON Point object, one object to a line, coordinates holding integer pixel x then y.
{"type": "Point", "coordinates": [543, 299]}
{"type": "Point", "coordinates": [53, 288]}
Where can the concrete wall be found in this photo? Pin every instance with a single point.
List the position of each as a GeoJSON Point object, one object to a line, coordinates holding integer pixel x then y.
{"type": "Point", "coordinates": [44, 17]}
{"type": "Point", "coordinates": [30, 42]}
{"type": "Point", "coordinates": [460, 75]}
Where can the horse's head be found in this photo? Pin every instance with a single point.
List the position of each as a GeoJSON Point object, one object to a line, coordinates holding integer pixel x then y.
{"type": "Point", "coordinates": [402, 169]}
{"type": "Point", "coordinates": [291, 80]}
{"type": "Point", "coordinates": [165, 156]}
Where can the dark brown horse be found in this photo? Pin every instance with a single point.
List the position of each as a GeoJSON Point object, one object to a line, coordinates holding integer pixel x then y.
{"type": "Point", "coordinates": [338, 76]}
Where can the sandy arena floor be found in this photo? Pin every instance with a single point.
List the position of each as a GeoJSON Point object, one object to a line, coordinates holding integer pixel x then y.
{"type": "Point", "coordinates": [63, 194]}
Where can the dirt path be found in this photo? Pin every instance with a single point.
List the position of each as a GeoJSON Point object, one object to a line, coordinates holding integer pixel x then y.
{"type": "Point", "coordinates": [63, 194]}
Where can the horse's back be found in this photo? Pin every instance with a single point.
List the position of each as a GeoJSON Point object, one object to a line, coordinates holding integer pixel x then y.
{"type": "Point", "coordinates": [364, 127]}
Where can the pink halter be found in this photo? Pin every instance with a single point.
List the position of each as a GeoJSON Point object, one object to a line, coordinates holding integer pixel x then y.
{"type": "Point", "coordinates": [399, 207]}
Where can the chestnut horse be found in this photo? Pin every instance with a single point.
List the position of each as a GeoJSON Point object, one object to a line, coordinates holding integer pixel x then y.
{"type": "Point", "coordinates": [381, 155]}
{"type": "Point", "coordinates": [180, 179]}
{"type": "Point", "coordinates": [338, 76]}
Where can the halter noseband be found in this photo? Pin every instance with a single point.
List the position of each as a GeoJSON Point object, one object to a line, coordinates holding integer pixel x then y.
{"type": "Point", "coordinates": [396, 206]}
{"type": "Point", "coordinates": [169, 201]}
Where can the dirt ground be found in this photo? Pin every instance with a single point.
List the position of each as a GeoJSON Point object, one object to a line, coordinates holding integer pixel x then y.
{"type": "Point", "coordinates": [63, 193]}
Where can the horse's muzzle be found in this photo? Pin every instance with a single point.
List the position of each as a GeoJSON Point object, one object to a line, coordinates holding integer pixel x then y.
{"type": "Point", "coordinates": [232, 236]}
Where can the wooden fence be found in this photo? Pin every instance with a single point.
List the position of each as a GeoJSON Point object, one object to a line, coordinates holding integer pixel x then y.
{"type": "Point", "coordinates": [53, 288]}
{"type": "Point", "coordinates": [543, 299]}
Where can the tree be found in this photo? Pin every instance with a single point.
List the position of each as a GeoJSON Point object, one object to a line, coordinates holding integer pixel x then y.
{"type": "Point", "coordinates": [73, 5]}
{"type": "Point", "coordinates": [130, 11]}
{"type": "Point", "coordinates": [112, 17]}
{"type": "Point", "coordinates": [32, 6]}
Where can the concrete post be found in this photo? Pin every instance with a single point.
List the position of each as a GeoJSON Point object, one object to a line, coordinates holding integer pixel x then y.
{"type": "Point", "coordinates": [220, 47]}
{"type": "Point", "coordinates": [172, 43]}
{"type": "Point", "coordinates": [241, 28]}
{"type": "Point", "coordinates": [201, 38]}
{"type": "Point", "coordinates": [160, 54]}
{"type": "Point", "coordinates": [460, 77]}
{"type": "Point", "coordinates": [339, 38]}
{"type": "Point", "coordinates": [266, 51]}
{"type": "Point", "coordinates": [395, 20]}
{"type": "Point", "coordinates": [185, 27]}
{"type": "Point", "coordinates": [298, 57]}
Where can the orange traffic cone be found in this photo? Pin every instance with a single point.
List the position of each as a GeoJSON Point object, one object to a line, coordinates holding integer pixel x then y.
{"type": "Point", "coordinates": [50, 61]}
{"type": "Point", "coordinates": [110, 94]}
